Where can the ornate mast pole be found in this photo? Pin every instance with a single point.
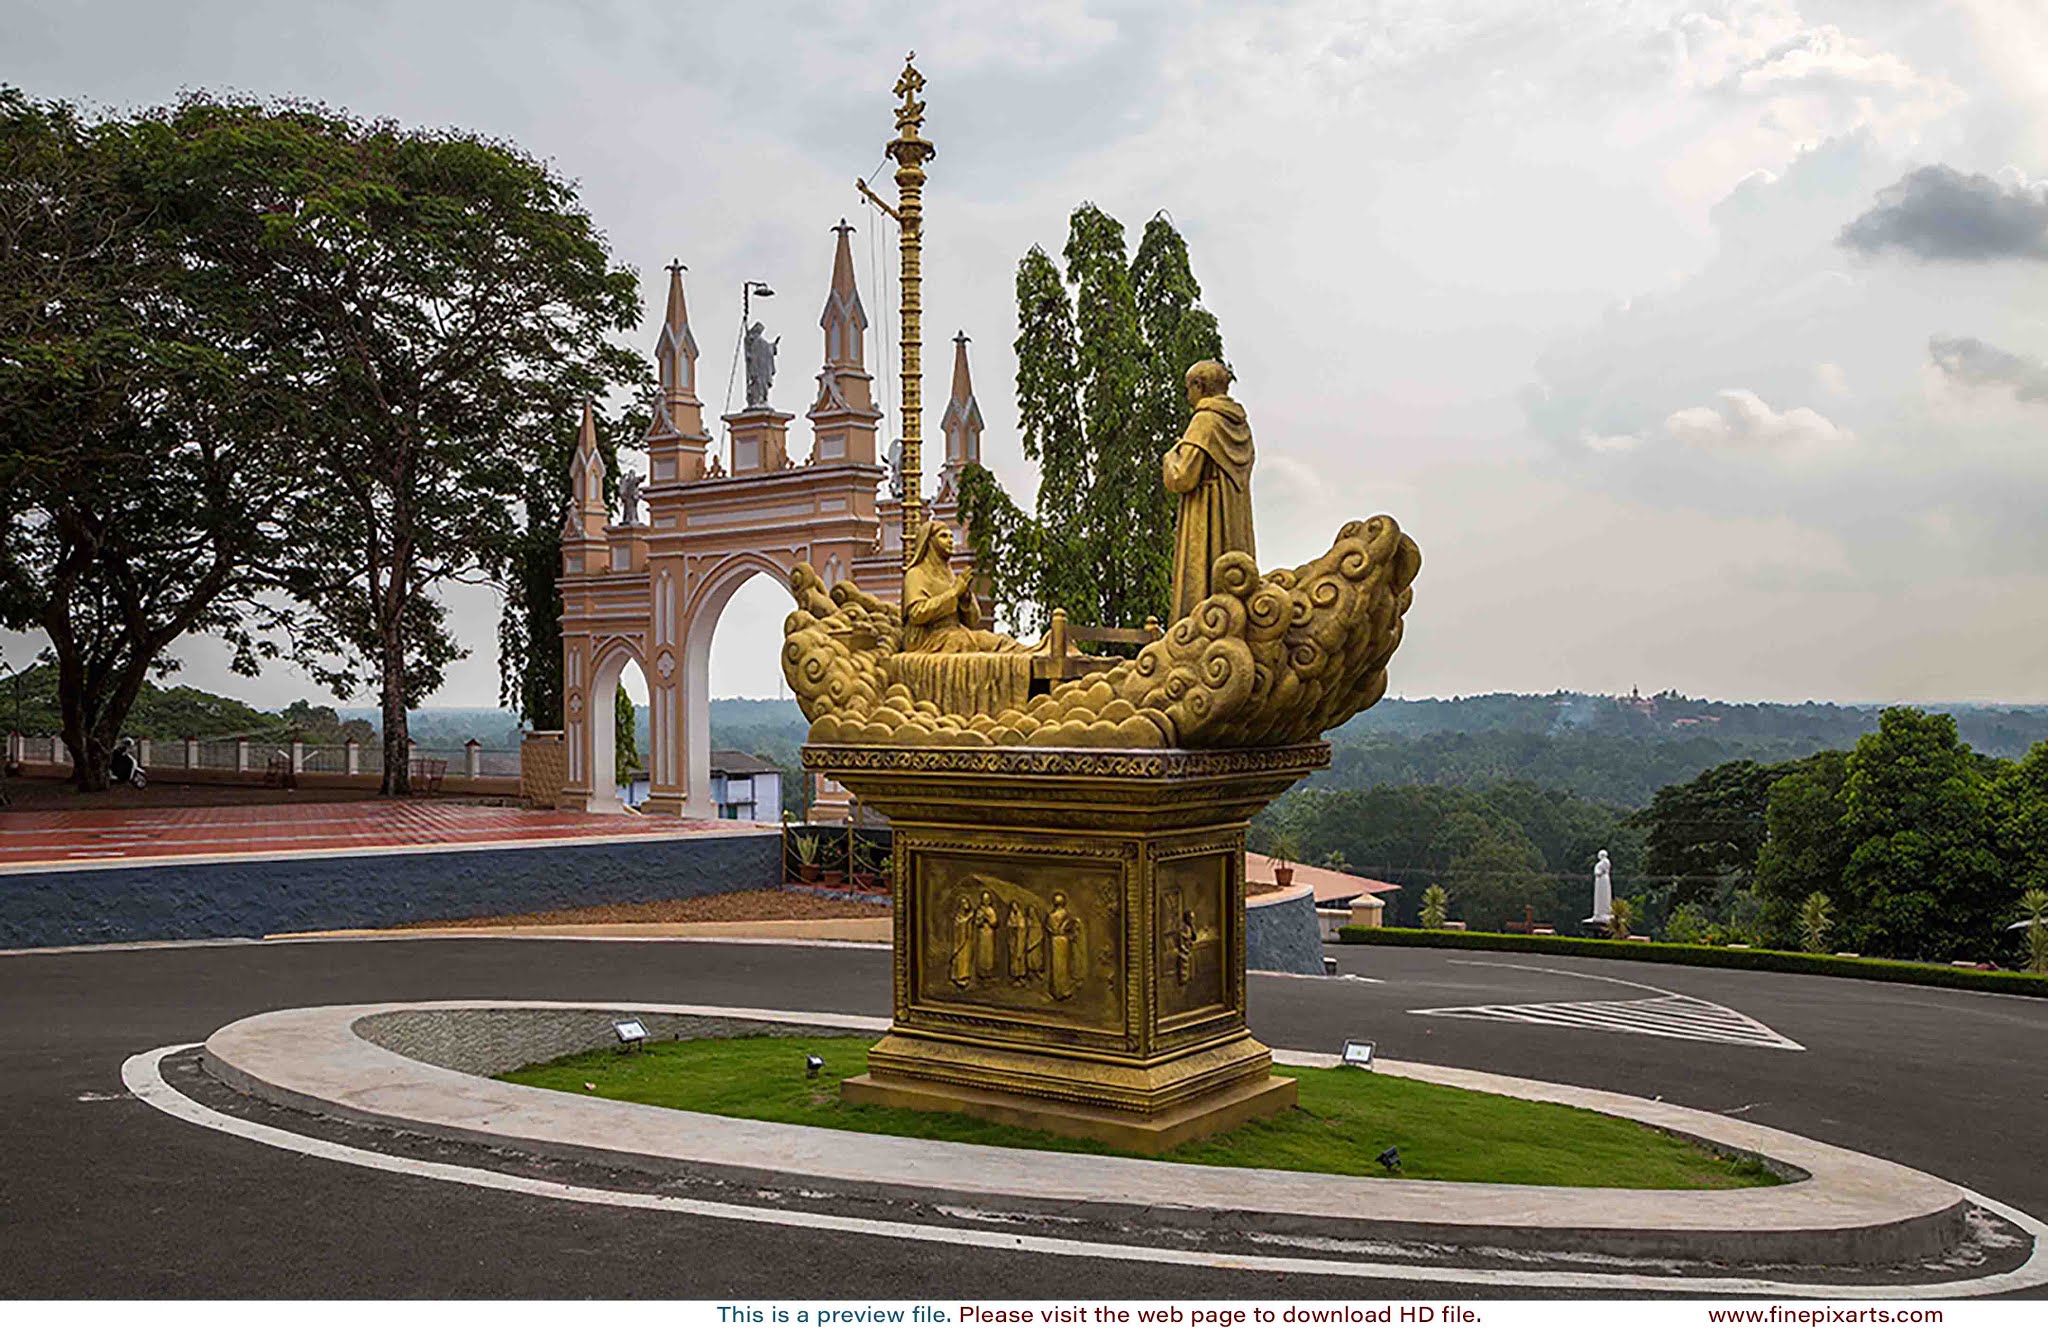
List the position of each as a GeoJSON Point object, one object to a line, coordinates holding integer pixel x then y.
{"type": "Point", "coordinates": [911, 152]}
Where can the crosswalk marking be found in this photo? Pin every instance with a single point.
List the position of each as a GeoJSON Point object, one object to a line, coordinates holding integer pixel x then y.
{"type": "Point", "coordinates": [1671, 1016]}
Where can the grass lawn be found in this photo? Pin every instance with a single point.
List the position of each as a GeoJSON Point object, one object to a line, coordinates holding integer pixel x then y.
{"type": "Point", "coordinates": [1345, 1119]}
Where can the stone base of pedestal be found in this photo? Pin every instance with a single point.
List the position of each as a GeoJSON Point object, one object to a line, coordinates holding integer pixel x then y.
{"type": "Point", "coordinates": [1070, 935]}
{"type": "Point", "coordinates": [1189, 1120]}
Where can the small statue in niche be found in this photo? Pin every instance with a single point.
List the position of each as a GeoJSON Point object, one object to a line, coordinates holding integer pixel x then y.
{"type": "Point", "coordinates": [629, 499]}
{"type": "Point", "coordinates": [760, 355]}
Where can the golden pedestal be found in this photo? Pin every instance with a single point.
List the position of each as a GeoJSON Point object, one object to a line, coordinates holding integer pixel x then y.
{"type": "Point", "coordinates": [1069, 934]}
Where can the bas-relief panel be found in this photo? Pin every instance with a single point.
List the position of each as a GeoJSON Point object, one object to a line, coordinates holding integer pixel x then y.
{"type": "Point", "coordinates": [1190, 910]}
{"type": "Point", "coordinates": [1031, 939]}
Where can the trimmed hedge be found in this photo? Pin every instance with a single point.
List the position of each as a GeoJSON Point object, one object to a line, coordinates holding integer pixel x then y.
{"type": "Point", "coordinates": [1727, 958]}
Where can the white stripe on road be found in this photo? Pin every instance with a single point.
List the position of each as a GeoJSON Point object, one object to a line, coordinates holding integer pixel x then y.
{"type": "Point", "coordinates": [1670, 1014]}
{"type": "Point", "coordinates": [143, 1076]}
{"type": "Point", "coordinates": [1689, 1019]}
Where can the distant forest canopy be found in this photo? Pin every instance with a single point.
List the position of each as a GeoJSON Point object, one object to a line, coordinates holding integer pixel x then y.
{"type": "Point", "coordinates": [1615, 751]}
{"type": "Point", "coordinates": [2000, 730]}
{"type": "Point", "coordinates": [1908, 844]}
{"type": "Point", "coordinates": [28, 703]}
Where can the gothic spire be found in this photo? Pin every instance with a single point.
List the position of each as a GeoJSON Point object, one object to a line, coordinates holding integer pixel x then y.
{"type": "Point", "coordinates": [845, 322]}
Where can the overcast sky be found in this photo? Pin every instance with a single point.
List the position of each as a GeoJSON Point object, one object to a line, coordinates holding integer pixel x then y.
{"type": "Point", "coordinates": [1700, 345]}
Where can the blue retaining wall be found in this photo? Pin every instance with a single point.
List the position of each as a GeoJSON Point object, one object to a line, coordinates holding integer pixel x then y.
{"type": "Point", "coordinates": [1282, 934]}
{"type": "Point", "coordinates": [249, 898]}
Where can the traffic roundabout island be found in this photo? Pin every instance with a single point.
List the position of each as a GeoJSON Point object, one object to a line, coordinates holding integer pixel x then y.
{"type": "Point", "coordinates": [420, 1088]}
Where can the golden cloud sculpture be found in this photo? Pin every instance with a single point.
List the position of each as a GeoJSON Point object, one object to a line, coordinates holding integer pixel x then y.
{"type": "Point", "coordinates": [1264, 660]}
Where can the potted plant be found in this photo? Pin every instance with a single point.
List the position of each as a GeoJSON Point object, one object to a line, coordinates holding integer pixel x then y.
{"type": "Point", "coordinates": [858, 862]}
{"type": "Point", "coordinates": [1285, 849]}
{"type": "Point", "coordinates": [834, 877]}
{"type": "Point", "coordinates": [807, 857]}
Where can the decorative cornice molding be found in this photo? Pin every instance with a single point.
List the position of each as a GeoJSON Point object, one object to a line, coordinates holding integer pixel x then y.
{"type": "Point", "coordinates": [1142, 764]}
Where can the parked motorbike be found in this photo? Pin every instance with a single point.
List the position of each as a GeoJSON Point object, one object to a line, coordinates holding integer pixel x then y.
{"type": "Point", "coordinates": [125, 767]}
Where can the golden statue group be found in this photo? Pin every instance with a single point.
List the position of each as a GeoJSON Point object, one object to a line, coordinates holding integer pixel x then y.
{"type": "Point", "coordinates": [1248, 660]}
{"type": "Point", "coordinates": [1068, 863]}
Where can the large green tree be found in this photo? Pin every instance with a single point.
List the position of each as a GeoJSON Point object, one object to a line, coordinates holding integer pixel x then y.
{"type": "Point", "coordinates": [1923, 877]}
{"type": "Point", "coordinates": [1804, 848]}
{"type": "Point", "coordinates": [151, 434]}
{"type": "Point", "coordinates": [454, 305]}
{"type": "Point", "coordinates": [2020, 802]}
{"type": "Point", "coordinates": [1100, 398]}
{"type": "Point", "coordinates": [1703, 835]}
{"type": "Point", "coordinates": [1903, 835]}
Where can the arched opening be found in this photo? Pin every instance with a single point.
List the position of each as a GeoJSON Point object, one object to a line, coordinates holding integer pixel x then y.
{"type": "Point", "coordinates": [618, 770]}
{"type": "Point", "coordinates": [741, 611]}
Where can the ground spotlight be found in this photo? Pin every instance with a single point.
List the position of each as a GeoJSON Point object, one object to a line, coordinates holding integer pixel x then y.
{"type": "Point", "coordinates": [1390, 1159]}
{"type": "Point", "coordinates": [631, 1033]}
{"type": "Point", "coordinates": [1358, 1054]}
{"type": "Point", "coordinates": [813, 1065]}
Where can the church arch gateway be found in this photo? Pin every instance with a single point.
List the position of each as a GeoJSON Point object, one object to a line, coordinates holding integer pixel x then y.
{"type": "Point", "coordinates": [651, 589]}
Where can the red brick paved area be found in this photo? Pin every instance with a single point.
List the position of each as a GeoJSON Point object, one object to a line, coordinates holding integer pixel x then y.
{"type": "Point", "coordinates": [282, 830]}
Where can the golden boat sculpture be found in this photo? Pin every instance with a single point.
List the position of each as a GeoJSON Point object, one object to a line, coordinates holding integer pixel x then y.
{"type": "Point", "coordinates": [1264, 660]}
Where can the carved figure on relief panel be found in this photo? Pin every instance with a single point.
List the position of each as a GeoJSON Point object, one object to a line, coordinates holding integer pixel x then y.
{"type": "Point", "coordinates": [962, 959]}
{"type": "Point", "coordinates": [1019, 929]}
{"type": "Point", "coordinates": [1184, 946]}
{"type": "Point", "coordinates": [986, 917]}
{"type": "Point", "coordinates": [1065, 947]}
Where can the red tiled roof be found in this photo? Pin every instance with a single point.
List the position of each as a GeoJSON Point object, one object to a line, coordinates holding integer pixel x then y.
{"type": "Point", "coordinates": [1329, 884]}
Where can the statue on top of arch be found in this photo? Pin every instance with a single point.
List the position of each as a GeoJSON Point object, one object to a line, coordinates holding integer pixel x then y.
{"type": "Point", "coordinates": [760, 357]}
{"type": "Point", "coordinates": [1251, 660]}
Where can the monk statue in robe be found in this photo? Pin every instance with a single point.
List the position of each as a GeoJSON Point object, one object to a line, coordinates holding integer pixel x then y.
{"type": "Point", "coordinates": [1211, 470]}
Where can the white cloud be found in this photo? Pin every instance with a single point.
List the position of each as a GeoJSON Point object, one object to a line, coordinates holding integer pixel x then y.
{"type": "Point", "coordinates": [1739, 418]}
{"type": "Point", "coordinates": [1397, 211]}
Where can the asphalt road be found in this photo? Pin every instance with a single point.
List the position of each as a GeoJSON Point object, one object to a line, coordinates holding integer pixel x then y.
{"type": "Point", "coordinates": [103, 1196]}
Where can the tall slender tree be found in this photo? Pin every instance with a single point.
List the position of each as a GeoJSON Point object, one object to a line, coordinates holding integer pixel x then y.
{"type": "Point", "coordinates": [1100, 396]}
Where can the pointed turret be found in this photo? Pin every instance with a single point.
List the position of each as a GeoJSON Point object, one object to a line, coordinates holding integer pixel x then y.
{"type": "Point", "coordinates": [675, 355]}
{"type": "Point", "coordinates": [844, 321]}
{"type": "Point", "coordinates": [583, 535]}
{"type": "Point", "coordinates": [676, 437]}
{"type": "Point", "coordinates": [843, 415]}
{"type": "Point", "coordinates": [588, 512]}
{"type": "Point", "coordinates": [961, 425]}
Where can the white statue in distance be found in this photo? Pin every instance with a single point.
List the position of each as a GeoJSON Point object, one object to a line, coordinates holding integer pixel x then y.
{"type": "Point", "coordinates": [1603, 891]}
